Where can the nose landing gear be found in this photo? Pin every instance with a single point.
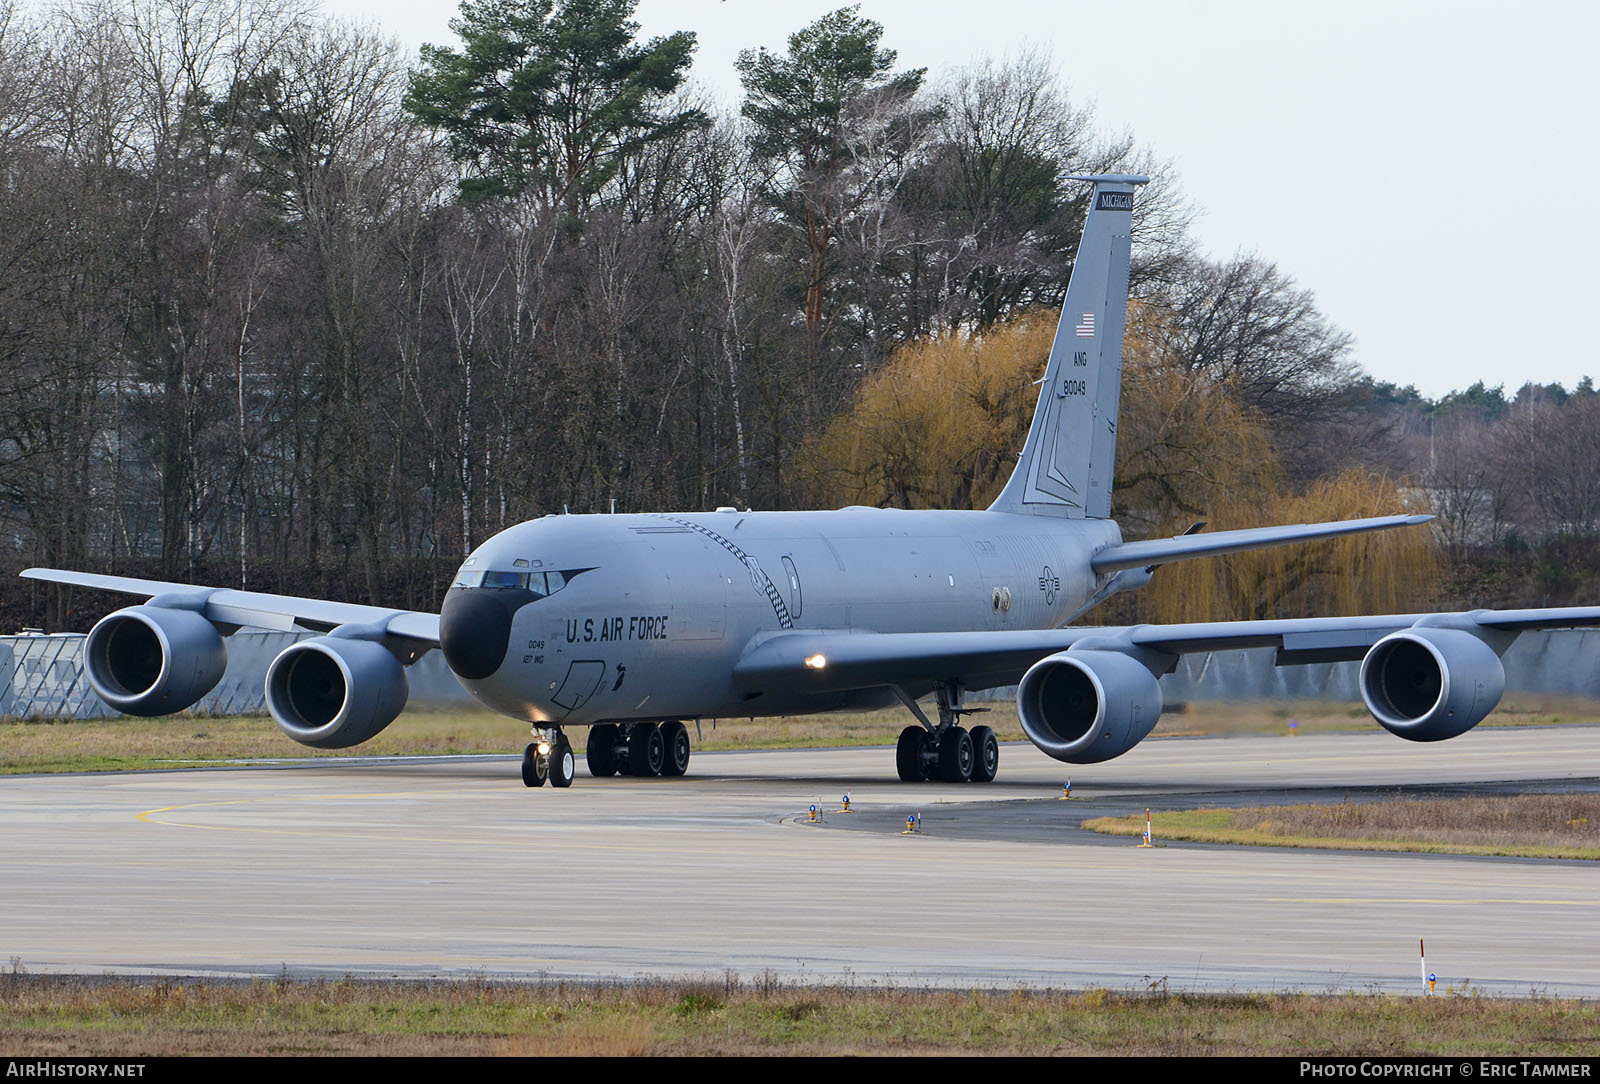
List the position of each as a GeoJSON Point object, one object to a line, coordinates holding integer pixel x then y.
{"type": "Point", "coordinates": [548, 756]}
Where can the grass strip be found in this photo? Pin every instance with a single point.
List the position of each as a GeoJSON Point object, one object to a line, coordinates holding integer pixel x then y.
{"type": "Point", "coordinates": [54, 1015]}
{"type": "Point", "coordinates": [124, 743]}
{"type": "Point", "coordinates": [1524, 825]}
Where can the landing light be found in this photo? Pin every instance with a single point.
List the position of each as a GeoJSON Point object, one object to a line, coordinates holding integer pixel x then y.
{"type": "Point", "coordinates": [816, 662]}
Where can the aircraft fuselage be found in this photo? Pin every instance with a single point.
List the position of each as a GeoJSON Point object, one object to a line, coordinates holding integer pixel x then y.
{"type": "Point", "coordinates": [612, 618]}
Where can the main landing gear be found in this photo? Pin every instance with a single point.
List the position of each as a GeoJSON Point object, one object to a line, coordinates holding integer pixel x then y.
{"type": "Point", "coordinates": [548, 756]}
{"type": "Point", "coordinates": [948, 752]}
{"type": "Point", "coordinates": [643, 749]}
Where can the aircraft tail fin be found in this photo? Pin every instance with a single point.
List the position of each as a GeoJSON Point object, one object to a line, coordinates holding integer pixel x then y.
{"type": "Point", "coordinates": [1071, 450]}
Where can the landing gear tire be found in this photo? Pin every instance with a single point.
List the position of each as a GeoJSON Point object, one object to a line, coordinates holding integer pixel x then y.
{"type": "Point", "coordinates": [646, 750]}
{"type": "Point", "coordinates": [601, 752]}
{"type": "Point", "coordinates": [675, 748]}
{"type": "Point", "coordinates": [908, 755]}
{"type": "Point", "coordinates": [955, 756]}
{"type": "Point", "coordinates": [533, 770]}
{"type": "Point", "coordinates": [563, 765]}
{"type": "Point", "coordinates": [985, 755]}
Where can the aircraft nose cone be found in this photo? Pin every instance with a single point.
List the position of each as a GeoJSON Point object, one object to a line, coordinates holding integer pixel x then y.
{"type": "Point", "coordinates": [475, 630]}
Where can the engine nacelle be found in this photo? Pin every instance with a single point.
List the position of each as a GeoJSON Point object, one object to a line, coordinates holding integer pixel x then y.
{"type": "Point", "coordinates": [153, 660]}
{"type": "Point", "coordinates": [1087, 706]}
{"type": "Point", "coordinates": [333, 692]}
{"type": "Point", "coordinates": [1429, 684]}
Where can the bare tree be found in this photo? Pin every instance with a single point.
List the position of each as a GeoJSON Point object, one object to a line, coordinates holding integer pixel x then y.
{"type": "Point", "coordinates": [1246, 322]}
{"type": "Point", "coordinates": [1460, 478]}
{"type": "Point", "coordinates": [1549, 452]}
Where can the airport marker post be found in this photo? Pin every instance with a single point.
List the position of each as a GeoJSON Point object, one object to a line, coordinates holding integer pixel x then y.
{"type": "Point", "coordinates": [1146, 841]}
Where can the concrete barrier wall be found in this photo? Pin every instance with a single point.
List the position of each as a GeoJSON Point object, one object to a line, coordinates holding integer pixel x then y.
{"type": "Point", "coordinates": [42, 676]}
{"type": "Point", "coordinates": [1566, 662]}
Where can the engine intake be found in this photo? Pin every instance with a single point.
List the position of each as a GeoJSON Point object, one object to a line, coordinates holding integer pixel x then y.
{"type": "Point", "coordinates": [333, 692]}
{"type": "Point", "coordinates": [1429, 684]}
{"type": "Point", "coordinates": [1084, 707]}
{"type": "Point", "coordinates": [153, 660]}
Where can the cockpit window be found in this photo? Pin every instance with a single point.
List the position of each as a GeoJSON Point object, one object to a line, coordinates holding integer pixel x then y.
{"type": "Point", "coordinates": [540, 583]}
{"type": "Point", "coordinates": [513, 580]}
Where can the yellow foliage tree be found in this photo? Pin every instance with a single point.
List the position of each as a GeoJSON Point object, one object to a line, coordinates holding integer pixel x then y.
{"type": "Point", "coordinates": [1182, 438]}
{"type": "Point", "coordinates": [1382, 572]}
{"type": "Point", "coordinates": [1189, 450]}
{"type": "Point", "coordinates": [940, 426]}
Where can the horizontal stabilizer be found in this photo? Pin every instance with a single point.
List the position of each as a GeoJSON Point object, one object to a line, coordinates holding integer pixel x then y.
{"type": "Point", "coordinates": [1160, 551]}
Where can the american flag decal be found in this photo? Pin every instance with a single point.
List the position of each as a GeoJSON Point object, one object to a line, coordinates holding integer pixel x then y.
{"type": "Point", "coordinates": [1086, 326]}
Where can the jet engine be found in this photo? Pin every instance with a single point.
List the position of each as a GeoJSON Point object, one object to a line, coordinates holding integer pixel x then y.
{"type": "Point", "coordinates": [333, 692]}
{"type": "Point", "coordinates": [1087, 706]}
{"type": "Point", "coordinates": [1429, 684]}
{"type": "Point", "coordinates": [153, 660]}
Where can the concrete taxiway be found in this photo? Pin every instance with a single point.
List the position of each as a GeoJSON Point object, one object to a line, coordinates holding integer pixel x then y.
{"type": "Point", "coordinates": [450, 867]}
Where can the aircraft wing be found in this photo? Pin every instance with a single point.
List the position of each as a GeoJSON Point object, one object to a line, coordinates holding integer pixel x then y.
{"type": "Point", "coordinates": [282, 613]}
{"type": "Point", "coordinates": [820, 662]}
{"type": "Point", "coordinates": [1158, 551]}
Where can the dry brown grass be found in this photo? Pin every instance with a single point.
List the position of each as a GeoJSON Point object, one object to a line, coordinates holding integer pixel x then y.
{"type": "Point", "coordinates": [126, 742]}
{"type": "Point", "coordinates": [624, 1038]}
{"type": "Point", "coordinates": [1530, 825]}
{"type": "Point", "coordinates": [1526, 820]}
{"type": "Point", "coordinates": [42, 1015]}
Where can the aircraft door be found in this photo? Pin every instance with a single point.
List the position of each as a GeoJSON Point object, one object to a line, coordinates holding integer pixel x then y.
{"type": "Point", "coordinates": [793, 576]}
{"type": "Point", "coordinates": [700, 593]}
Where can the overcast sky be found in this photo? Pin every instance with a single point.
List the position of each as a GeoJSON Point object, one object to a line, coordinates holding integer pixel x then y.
{"type": "Point", "coordinates": [1428, 169]}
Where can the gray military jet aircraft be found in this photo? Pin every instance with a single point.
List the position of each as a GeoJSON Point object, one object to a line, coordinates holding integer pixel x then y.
{"type": "Point", "coordinates": [631, 624]}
